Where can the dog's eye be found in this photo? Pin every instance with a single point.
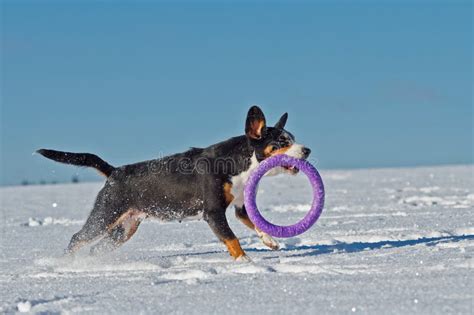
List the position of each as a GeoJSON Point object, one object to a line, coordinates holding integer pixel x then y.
{"type": "Point", "coordinates": [273, 148]}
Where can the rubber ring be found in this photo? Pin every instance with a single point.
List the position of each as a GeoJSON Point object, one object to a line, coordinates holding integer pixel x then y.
{"type": "Point", "coordinates": [250, 194]}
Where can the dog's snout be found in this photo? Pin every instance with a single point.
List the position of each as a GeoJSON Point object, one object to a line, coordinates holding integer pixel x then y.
{"type": "Point", "coordinates": [306, 152]}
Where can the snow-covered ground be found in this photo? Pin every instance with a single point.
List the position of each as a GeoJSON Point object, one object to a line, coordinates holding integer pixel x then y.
{"type": "Point", "coordinates": [389, 241]}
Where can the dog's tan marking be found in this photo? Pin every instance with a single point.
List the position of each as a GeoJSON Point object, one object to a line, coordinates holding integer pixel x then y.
{"type": "Point", "coordinates": [268, 151]}
{"type": "Point", "coordinates": [281, 150]}
{"type": "Point", "coordinates": [129, 215]}
{"type": "Point", "coordinates": [233, 246]}
{"type": "Point", "coordinates": [102, 174]}
{"type": "Point", "coordinates": [227, 193]}
{"type": "Point", "coordinates": [133, 224]}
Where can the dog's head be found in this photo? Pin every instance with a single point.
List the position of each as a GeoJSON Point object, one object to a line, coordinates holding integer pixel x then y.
{"type": "Point", "coordinates": [269, 141]}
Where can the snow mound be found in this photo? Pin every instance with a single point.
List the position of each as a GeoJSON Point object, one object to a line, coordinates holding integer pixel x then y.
{"type": "Point", "coordinates": [33, 222]}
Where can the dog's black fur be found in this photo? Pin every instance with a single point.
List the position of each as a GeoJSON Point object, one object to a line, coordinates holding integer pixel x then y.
{"type": "Point", "coordinates": [200, 181]}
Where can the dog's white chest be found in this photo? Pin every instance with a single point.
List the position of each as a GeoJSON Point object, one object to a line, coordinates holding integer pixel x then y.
{"type": "Point", "coordinates": [239, 181]}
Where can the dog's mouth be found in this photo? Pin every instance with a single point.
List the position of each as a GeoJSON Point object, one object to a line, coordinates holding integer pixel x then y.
{"type": "Point", "coordinates": [292, 169]}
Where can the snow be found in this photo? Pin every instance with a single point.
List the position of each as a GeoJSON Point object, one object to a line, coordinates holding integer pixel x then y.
{"type": "Point", "coordinates": [389, 241]}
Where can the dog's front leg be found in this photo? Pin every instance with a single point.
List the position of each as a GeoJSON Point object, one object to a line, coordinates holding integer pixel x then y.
{"type": "Point", "coordinates": [218, 223]}
{"type": "Point", "coordinates": [241, 214]}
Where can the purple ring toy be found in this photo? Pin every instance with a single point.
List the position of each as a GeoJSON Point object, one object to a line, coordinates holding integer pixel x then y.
{"type": "Point", "coordinates": [250, 194]}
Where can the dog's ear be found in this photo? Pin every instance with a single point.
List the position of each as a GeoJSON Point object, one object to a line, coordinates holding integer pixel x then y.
{"type": "Point", "coordinates": [255, 125]}
{"type": "Point", "coordinates": [282, 122]}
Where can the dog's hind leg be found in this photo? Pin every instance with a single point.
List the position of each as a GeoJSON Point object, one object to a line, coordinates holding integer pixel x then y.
{"type": "Point", "coordinates": [107, 209]}
{"type": "Point", "coordinates": [120, 232]}
{"type": "Point", "coordinates": [241, 214]}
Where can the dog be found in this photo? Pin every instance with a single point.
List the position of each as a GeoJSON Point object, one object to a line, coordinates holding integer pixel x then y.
{"type": "Point", "coordinates": [198, 183]}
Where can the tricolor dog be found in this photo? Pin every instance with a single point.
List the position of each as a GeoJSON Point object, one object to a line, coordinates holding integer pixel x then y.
{"type": "Point", "coordinates": [198, 183]}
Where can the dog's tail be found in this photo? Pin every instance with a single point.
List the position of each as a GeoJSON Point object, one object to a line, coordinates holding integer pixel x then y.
{"type": "Point", "coordinates": [79, 159]}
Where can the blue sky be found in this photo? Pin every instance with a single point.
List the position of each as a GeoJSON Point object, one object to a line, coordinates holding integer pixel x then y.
{"type": "Point", "coordinates": [366, 83]}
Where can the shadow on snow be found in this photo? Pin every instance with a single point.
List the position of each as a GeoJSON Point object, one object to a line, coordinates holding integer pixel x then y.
{"type": "Point", "coordinates": [355, 247]}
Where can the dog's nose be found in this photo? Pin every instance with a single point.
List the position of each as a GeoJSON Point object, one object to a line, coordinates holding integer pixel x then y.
{"type": "Point", "coordinates": [306, 152]}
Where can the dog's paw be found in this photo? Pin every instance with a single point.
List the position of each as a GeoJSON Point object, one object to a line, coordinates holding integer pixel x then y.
{"type": "Point", "coordinates": [244, 258]}
{"type": "Point", "coordinates": [268, 240]}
